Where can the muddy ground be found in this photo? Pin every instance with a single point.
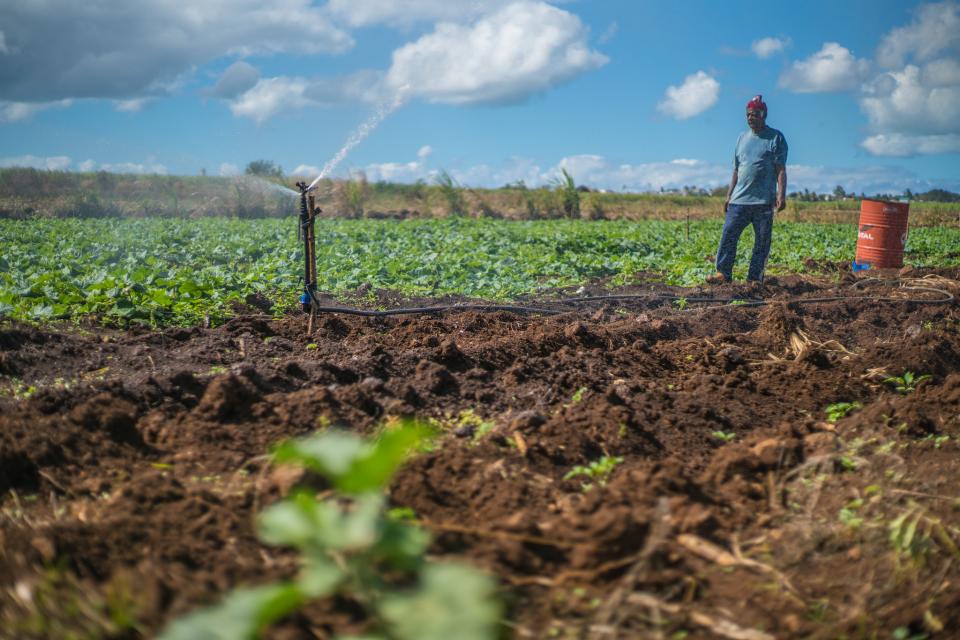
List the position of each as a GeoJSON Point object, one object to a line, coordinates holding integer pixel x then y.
{"type": "Point", "coordinates": [132, 461]}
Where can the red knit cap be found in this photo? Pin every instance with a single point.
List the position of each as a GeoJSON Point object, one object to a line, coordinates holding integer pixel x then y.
{"type": "Point", "coordinates": [757, 103]}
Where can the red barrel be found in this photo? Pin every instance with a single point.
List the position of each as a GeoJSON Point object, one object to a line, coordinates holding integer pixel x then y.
{"type": "Point", "coordinates": [882, 233]}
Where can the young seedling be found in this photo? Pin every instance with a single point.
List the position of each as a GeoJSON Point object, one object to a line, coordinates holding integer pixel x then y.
{"type": "Point", "coordinates": [598, 470]}
{"type": "Point", "coordinates": [725, 436]}
{"type": "Point", "coordinates": [914, 534]}
{"type": "Point", "coordinates": [849, 514]}
{"type": "Point", "coordinates": [906, 383]}
{"type": "Point", "coordinates": [839, 410]}
{"type": "Point", "coordinates": [352, 544]}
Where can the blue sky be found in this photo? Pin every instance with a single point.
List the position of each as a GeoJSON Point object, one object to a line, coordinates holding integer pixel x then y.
{"type": "Point", "coordinates": [624, 94]}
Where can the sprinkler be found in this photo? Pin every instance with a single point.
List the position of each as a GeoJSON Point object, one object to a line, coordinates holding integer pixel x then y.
{"type": "Point", "coordinates": [308, 215]}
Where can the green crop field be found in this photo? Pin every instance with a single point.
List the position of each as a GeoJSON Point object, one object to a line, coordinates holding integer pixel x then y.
{"type": "Point", "coordinates": [177, 271]}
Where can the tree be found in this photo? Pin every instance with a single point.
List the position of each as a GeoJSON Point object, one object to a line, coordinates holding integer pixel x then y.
{"type": "Point", "coordinates": [939, 195]}
{"type": "Point", "coordinates": [839, 193]}
{"type": "Point", "coordinates": [265, 168]}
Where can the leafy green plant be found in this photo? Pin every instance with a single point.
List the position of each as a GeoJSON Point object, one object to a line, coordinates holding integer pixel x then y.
{"type": "Point", "coordinates": [839, 410]}
{"type": "Point", "coordinates": [681, 303]}
{"type": "Point", "coordinates": [160, 271]}
{"type": "Point", "coordinates": [599, 470]}
{"type": "Point", "coordinates": [352, 545]}
{"type": "Point", "coordinates": [725, 436]}
{"type": "Point", "coordinates": [906, 383]}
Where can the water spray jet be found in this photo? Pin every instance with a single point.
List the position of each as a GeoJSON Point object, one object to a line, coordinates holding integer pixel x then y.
{"type": "Point", "coordinates": [358, 136]}
{"type": "Point", "coordinates": [309, 212]}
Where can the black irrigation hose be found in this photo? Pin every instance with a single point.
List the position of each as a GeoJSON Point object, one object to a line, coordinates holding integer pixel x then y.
{"type": "Point", "coordinates": [372, 313]}
{"type": "Point", "coordinates": [726, 303]}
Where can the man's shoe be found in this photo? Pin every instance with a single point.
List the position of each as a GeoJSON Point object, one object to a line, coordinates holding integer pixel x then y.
{"type": "Point", "coordinates": [717, 278]}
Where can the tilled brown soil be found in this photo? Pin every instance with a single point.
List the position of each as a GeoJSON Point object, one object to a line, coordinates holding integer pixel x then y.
{"type": "Point", "coordinates": [132, 462]}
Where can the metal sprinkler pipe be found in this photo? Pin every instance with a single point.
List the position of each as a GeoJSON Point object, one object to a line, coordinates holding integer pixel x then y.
{"type": "Point", "coordinates": [308, 214]}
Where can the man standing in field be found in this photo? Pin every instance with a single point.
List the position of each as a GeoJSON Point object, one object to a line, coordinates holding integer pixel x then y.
{"type": "Point", "coordinates": [757, 190]}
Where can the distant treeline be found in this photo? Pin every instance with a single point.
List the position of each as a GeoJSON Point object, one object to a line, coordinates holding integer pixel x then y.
{"type": "Point", "coordinates": [28, 193]}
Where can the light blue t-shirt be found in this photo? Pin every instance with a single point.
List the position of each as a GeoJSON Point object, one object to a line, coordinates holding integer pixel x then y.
{"type": "Point", "coordinates": [754, 160]}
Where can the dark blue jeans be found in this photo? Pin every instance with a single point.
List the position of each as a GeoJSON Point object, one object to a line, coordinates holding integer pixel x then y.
{"type": "Point", "coordinates": [738, 217]}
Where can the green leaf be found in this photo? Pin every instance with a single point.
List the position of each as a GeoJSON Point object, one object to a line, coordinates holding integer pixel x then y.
{"type": "Point", "coordinates": [350, 463]}
{"type": "Point", "coordinates": [402, 545]}
{"type": "Point", "coordinates": [374, 469]}
{"type": "Point", "coordinates": [160, 297]}
{"type": "Point", "coordinates": [452, 601]}
{"type": "Point", "coordinates": [360, 526]}
{"type": "Point", "coordinates": [304, 523]}
{"type": "Point", "coordinates": [331, 453]}
{"type": "Point", "coordinates": [298, 521]}
{"type": "Point", "coordinates": [240, 616]}
{"type": "Point", "coordinates": [319, 577]}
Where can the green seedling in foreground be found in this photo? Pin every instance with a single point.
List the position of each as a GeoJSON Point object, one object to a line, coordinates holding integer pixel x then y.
{"type": "Point", "coordinates": [351, 544]}
{"type": "Point", "coordinates": [725, 436]}
{"type": "Point", "coordinates": [839, 410]}
{"type": "Point", "coordinates": [906, 383]}
{"type": "Point", "coordinates": [598, 470]}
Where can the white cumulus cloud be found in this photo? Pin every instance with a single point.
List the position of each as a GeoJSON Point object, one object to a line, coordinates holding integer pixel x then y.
{"type": "Point", "coordinates": [503, 57]}
{"type": "Point", "coordinates": [899, 144]}
{"type": "Point", "coordinates": [869, 180]}
{"type": "Point", "coordinates": [17, 111]}
{"type": "Point", "coordinates": [134, 167]}
{"type": "Point", "coordinates": [272, 96]}
{"type": "Point", "coordinates": [597, 171]}
{"type": "Point", "coordinates": [901, 101]}
{"type": "Point", "coordinates": [236, 79]}
{"type": "Point", "coordinates": [51, 163]}
{"type": "Point", "coordinates": [766, 47]}
{"type": "Point", "coordinates": [935, 28]}
{"type": "Point", "coordinates": [942, 73]}
{"type": "Point", "coordinates": [126, 50]}
{"type": "Point", "coordinates": [913, 107]}
{"type": "Point", "coordinates": [360, 13]}
{"type": "Point", "coordinates": [698, 93]}
{"type": "Point", "coordinates": [833, 68]}
{"type": "Point", "coordinates": [131, 106]}
{"type": "Point", "coordinates": [151, 166]}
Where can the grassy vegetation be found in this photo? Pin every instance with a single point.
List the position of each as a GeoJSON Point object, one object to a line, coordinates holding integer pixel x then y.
{"type": "Point", "coordinates": [31, 193]}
